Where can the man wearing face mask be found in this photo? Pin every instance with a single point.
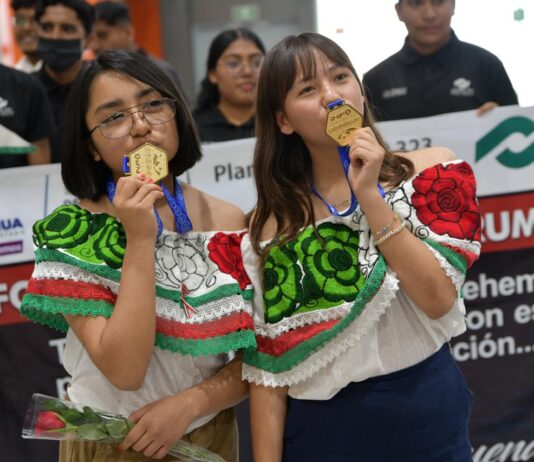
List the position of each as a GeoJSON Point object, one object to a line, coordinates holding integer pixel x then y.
{"type": "Point", "coordinates": [64, 26]}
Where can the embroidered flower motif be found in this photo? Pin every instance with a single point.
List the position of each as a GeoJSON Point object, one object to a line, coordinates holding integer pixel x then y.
{"type": "Point", "coordinates": [180, 264]}
{"type": "Point", "coordinates": [331, 270]}
{"type": "Point", "coordinates": [282, 290]}
{"type": "Point", "coordinates": [110, 241]}
{"type": "Point", "coordinates": [225, 251]}
{"type": "Point", "coordinates": [65, 227]}
{"type": "Point", "coordinates": [445, 201]}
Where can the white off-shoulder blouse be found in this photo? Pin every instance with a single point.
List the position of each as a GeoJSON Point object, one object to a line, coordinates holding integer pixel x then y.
{"type": "Point", "coordinates": [330, 311]}
{"type": "Point", "coordinates": [203, 302]}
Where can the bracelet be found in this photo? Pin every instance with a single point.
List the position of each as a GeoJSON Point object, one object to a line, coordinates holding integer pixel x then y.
{"type": "Point", "coordinates": [386, 228]}
{"type": "Point", "coordinates": [391, 233]}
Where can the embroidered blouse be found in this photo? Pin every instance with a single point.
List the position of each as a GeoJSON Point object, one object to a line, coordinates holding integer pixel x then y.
{"type": "Point", "coordinates": [330, 311]}
{"type": "Point", "coordinates": [203, 302]}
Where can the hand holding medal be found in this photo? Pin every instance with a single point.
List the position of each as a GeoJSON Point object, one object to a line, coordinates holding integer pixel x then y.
{"type": "Point", "coordinates": [152, 162]}
{"type": "Point", "coordinates": [342, 122]}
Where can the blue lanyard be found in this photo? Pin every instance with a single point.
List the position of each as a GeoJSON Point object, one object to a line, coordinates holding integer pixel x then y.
{"type": "Point", "coordinates": [176, 203]}
{"type": "Point", "coordinates": [344, 158]}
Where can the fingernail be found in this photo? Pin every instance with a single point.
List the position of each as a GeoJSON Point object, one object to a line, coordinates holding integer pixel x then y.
{"type": "Point", "coordinates": [150, 180]}
{"type": "Point", "coordinates": [142, 175]}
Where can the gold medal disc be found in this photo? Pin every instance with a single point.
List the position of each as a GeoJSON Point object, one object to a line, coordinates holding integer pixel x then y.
{"type": "Point", "coordinates": [150, 160]}
{"type": "Point", "coordinates": [341, 123]}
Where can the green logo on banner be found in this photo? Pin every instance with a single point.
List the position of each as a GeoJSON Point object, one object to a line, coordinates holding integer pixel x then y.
{"type": "Point", "coordinates": [502, 131]}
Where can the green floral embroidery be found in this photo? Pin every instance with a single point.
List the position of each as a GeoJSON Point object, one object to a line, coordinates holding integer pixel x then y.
{"type": "Point", "coordinates": [65, 227]}
{"type": "Point", "coordinates": [331, 270]}
{"type": "Point", "coordinates": [281, 281]}
{"type": "Point", "coordinates": [310, 273]}
{"type": "Point", "coordinates": [110, 241]}
{"type": "Point", "coordinates": [97, 238]}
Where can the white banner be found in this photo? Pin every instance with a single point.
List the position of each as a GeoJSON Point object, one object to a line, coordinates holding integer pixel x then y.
{"type": "Point", "coordinates": [499, 146]}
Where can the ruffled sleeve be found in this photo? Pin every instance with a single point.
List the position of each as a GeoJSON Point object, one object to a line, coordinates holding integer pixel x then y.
{"type": "Point", "coordinates": [203, 295]}
{"type": "Point", "coordinates": [318, 295]}
{"type": "Point", "coordinates": [77, 260]}
{"type": "Point", "coordinates": [440, 207]}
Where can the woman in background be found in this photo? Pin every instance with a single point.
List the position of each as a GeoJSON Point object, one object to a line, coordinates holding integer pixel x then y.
{"type": "Point", "coordinates": [226, 103]}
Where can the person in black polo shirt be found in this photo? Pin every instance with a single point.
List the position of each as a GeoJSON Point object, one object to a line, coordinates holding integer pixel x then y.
{"type": "Point", "coordinates": [226, 104]}
{"type": "Point", "coordinates": [434, 72]}
{"type": "Point", "coordinates": [25, 111]}
{"type": "Point", "coordinates": [64, 26]}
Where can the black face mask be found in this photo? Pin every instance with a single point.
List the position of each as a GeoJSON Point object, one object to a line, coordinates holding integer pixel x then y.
{"type": "Point", "coordinates": [59, 54]}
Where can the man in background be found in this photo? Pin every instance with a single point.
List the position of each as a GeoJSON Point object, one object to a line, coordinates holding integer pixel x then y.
{"type": "Point", "coordinates": [26, 35]}
{"type": "Point", "coordinates": [434, 72]}
{"type": "Point", "coordinates": [25, 111]}
{"type": "Point", "coordinates": [114, 30]}
{"type": "Point", "coordinates": [64, 26]}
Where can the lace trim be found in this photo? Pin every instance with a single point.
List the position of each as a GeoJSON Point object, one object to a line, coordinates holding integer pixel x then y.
{"type": "Point", "coordinates": [214, 281]}
{"type": "Point", "coordinates": [47, 255]}
{"type": "Point", "coordinates": [168, 309]}
{"type": "Point", "coordinates": [274, 330]}
{"type": "Point", "coordinates": [60, 270]}
{"type": "Point", "coordinates": [339, 344]}
{"type": "Point", "coordinates": [457, 276]}
{"type": "Point", "coordinates": [233, 299]}
{"type": "Point", "coordinates": [50, 311]}
{"type": "Point", "coordinates": [209, 346]}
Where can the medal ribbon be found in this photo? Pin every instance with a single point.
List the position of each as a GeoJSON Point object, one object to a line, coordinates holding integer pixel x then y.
{"type": "Point", "coordinates": [176, 203]}
{"type": "Point", "coordinates": [344, 158]}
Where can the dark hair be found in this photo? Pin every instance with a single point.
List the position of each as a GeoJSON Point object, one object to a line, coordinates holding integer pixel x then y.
{"type": "Point", "coordinates": [82, 175]}
{"type": "Point", "coordinates": [16, 4]}
{"type": "Point", "coordinates": [84, 11]}
{"type": "Point", "coordinates": [112, 13]}
{"type": "Point", "coordinates": [281, 162]}
{"type": "Point", "coordinates": [209, 93]}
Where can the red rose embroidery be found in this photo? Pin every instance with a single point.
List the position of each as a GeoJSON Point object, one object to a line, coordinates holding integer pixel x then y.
{"type": "Point", "coordinates": [225, 251]}
{"type": "Point", "coordinates": [445, 201]}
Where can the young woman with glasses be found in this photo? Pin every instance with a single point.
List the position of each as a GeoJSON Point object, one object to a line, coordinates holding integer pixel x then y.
{"type": "Point", "coordinates": [150, 291]}
{"type": "Point", "coordinates": [226, 102]}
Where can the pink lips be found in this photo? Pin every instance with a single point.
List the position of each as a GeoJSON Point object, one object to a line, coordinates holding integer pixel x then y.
{"type": "Point", "coordinates": [248, 87]}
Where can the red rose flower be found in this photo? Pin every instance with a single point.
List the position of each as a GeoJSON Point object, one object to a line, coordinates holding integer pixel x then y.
{"type": "Point", "coordinates": [445, 201]}
{"type": "Point", "coordinates": [47, 421]}
{"type": "Point", "coordinates": [225, 251]}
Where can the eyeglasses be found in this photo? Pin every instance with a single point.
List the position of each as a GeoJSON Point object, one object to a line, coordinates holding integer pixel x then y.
{"type": "Point", "coordinates": [238, 64]}
{"type": "Point", "coordinates": [21, 21]}
{"type": "Point", "coordinates": [120, 124]}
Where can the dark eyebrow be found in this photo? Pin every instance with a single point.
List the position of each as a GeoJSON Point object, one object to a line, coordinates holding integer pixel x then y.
{"type": "Point", "coordinates": [332, 68]}
{"type": "Point", "coordinates": [119, 102]}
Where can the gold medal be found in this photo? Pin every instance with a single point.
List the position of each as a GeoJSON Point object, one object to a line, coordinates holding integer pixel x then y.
{"type": "Point", "coordinates": [341, 123]}
{"type": "Point", "coordinates": [147, 159]}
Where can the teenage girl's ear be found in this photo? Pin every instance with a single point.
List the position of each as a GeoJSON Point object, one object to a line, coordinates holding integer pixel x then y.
{"type": "Point", "coordinates": [94, 152]}
{"type": "Point", "coordinates": [283, 123]}
{"type": "Point", "coordinates": [212, 77]}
